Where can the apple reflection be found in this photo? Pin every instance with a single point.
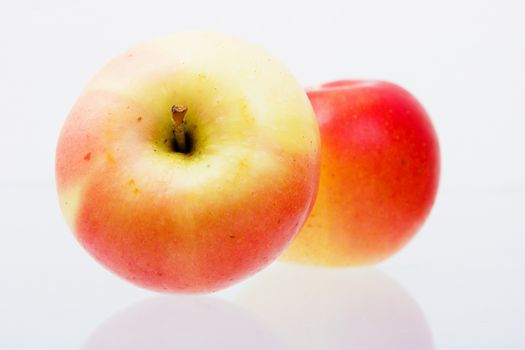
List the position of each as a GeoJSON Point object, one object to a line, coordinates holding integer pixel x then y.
{"type": "Point", "coordinates": [182, 322]}
{"type": "Point", "coordinates": [313, 308]}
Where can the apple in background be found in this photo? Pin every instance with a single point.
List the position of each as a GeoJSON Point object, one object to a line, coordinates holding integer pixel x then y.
{"type": "Point", "coordinates": [189, 162]}
{"type": "Point", "coordinates": [379, 174]}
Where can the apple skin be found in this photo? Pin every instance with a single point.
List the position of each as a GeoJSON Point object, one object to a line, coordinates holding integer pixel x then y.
{"type": "Point", "coordinates": [201, 221]}
{"type": "Point", "coordinates": [380, 167]}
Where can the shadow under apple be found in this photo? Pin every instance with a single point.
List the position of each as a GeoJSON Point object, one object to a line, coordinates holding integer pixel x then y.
{"type": "Point", "coordinates": [182, 322]}
{"type": "Point", "coordinates": [313, 308]}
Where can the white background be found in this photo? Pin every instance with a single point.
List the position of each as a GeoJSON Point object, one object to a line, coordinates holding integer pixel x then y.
{"type": "Point", "coordinates": [464, 60]}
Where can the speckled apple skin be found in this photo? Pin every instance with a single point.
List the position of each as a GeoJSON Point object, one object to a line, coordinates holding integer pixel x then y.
{"type": "Point", "coordinates": [194, 222]}
{"type": "Point", "coordinates": [380, 167]}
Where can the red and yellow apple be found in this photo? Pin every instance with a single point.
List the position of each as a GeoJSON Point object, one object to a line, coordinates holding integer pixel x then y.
{"type": "Point", "coordinates": [379, 174]}
{"type": "Point", "coordinates": [200, 216]}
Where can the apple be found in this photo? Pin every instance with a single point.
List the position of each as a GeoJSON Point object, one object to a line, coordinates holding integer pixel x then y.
{"type": "Point", "coordinates": [189, 162]}
{"type": "Point", "coordinates": [380, 169]}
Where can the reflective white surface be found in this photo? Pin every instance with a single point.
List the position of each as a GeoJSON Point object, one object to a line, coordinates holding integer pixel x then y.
{"type": "Point", "coordinates": [337, 309]}
{"type": "Point", "coordinates": [460, 284]}
{"type": "Point", "coordinates": [182, 322]}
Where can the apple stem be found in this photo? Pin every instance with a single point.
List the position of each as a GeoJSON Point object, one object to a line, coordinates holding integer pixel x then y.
{"type": "Point", "coordinates": [179, 112]}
